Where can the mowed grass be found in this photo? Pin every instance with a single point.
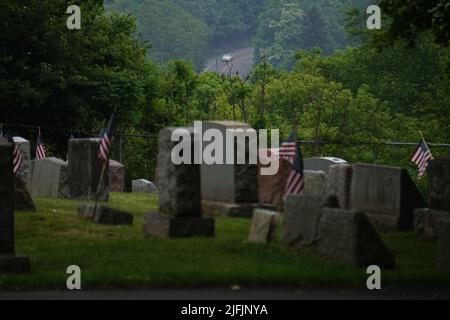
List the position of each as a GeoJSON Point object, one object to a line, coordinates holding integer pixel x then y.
{"type": "Point", "coordinates": [120, 257]}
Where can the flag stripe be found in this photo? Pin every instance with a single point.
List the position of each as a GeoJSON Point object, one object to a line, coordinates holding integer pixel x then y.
{"type": "Point", "coordinates": [422, 158]}
{"type": "Point", "coordinates": [17, 160]}
{"type": "Point", "coordinates": [40, 148]}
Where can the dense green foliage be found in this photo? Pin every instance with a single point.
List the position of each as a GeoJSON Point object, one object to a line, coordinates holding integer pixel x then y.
{"type": "Point", "coordinates": [287, 26]}
{"type": "Point", "coordinates": [408, 19]}
{"type": "Point", "coordinates": [69, 79]}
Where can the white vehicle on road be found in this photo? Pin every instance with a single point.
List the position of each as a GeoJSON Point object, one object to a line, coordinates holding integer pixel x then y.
{"type": "Point", "coordinates": [227, 57]}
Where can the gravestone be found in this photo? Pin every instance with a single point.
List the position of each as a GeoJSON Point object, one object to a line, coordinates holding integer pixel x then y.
{"type": "Point", "coordinates": [229, 183]}
{"type": "Point", "coordinates": [322, 164]}
{"type": "Point", "coordinates": [439, 184]}
{"type": "Point", "coordinates": [350, 238]}
{"type": "Point", "coordinates": [179, 196]}
{"type": "Point", "coordinates": [340, 183]}
{"type": "Point", "coordinates": [22, 198]}
{"type": "Point", "coordinates": [264, 226]}
{"type": "Point", "coordinates": [48, 178]}
{"type": "Point", "coordinates": [9, 262]}
{"type": "Point", "coordinates": [143, 186]}
{"type": "Point", "coordinates": [387, 195]}
{"type": "Point", "coordinates": [272, 187]}
{"type": "Point", "coordinates": [443, 245]}
{"type": "Point", "coordinates": [302, 215]}
{"type": "Point", "coordinates": [105, 215]}
{"type": "Point", "coordinates": [85, 170]}
{"type": "Point", "coordinates": [427, 221]}
{"type": "Point", "coordinates": [24, 148]}
{"type": "Point", "coordinates": [316, 183]}
{"type": "Point", "coordinates": [116, 173]}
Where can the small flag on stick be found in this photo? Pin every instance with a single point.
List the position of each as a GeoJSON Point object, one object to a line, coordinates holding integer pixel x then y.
{"type": "Point", "coordinates": [106, 137]}
{"type": "Point", "coordinates": [40, 148]}
{"type": "Point", "coordinates": [17, 156]}
{"type": "Point", "coordinates": [422, 157]}
{"type": "Point", "coordinates": [296, 180]}
{"type": "Point", "coordinates": [288, 149]}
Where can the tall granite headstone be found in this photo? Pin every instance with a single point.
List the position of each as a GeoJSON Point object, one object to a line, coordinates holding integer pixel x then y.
{"type": "Point", "coordinates": [387, 195]}
{"type": "Point", "coordinates": [340, 183]}
{"type": "Point", "coordinates": [443, 244]}
{"type": "Point", "coordinates": [180, 211]}
{"type": "Point", "coordinates": [272, 188]}
{"type": "Point", "coordinates": [9, 262]}
{"type": "Point", "coordinates": [85, 170]}
{"type": "Point", "coordinates": [229, 183]}
{"type": "Point", "coordinates": [439, 184]}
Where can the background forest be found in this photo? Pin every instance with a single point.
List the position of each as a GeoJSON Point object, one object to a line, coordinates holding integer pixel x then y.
{"type": "Point", "coordinates": [317, 69]}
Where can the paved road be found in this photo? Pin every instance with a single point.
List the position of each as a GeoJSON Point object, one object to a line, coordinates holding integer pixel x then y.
{"type": "Point", "coordinates": [242, 62]}
{"type": "Point", "coordinates": [239, 295]}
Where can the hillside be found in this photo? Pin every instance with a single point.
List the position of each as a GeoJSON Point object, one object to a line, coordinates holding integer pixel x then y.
{"type": "Point", "coordinates": [195, 30]}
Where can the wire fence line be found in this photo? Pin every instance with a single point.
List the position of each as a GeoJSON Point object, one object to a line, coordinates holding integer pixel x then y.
{"type": "Point", "coordinates": [139, 151]}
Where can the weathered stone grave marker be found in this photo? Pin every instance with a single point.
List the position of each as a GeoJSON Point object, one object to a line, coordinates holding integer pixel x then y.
{"type": "Point", "coordinates": [48, 178]}
{"type": "Point", "coordinates": [301, 219]}
{"type": "Point", "coordinates": [340, 183]}
{"type": "Point", "coordinates": [349, 237]}
{"type": "Point", "coordinates": [229, 189]}
{"type": "Point", "coordinates": [264, 226]}
{"type": "Point", "coordinates": [85, 169]}
{"type": "Point", "coordinates": [435, 221]}
{"type": "Point", "coordinates": [386, 194]}
{"type": "Point", "coordinates": [9, 262]}
{"type": "Point", "coordinates": [345, 236]}
{"type": "Point", "coordinates": [116, 173]}
{"type": "Point", "coordinates": [272, 187]}
{"type": "Point", "coordinates": [316, 183]}
{"type": "Point", "coordinates": [180, 212]}
{"type": "Point", "coordinates": [443, 244]}
{"type": "Point", "coordinates": [143, 186]}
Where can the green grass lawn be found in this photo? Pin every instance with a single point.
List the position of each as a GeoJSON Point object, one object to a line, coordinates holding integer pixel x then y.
{"type": "Point", "coordinates": [120, 257]}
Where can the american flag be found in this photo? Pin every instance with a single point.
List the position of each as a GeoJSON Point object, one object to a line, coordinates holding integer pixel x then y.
{"type": "Point", "coordinates": [422, 157]}
{"type": "Point", "coordinates": [296, 181]}
{"type": "Point", "coordinates": [106, 137]}
{"type": "Point", "coordinates": [40, 148]}
{"type": "Point", "coordinates": [17, 156]}
{"type": "Point", "coordinates": [288, 149]}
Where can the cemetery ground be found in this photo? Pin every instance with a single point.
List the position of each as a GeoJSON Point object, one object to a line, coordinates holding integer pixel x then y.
{"type": "Point", "coordinates": [117, 258]}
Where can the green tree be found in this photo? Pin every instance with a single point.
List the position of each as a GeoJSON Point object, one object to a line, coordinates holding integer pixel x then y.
{"type": "Point", "coordinates": [408, 19]}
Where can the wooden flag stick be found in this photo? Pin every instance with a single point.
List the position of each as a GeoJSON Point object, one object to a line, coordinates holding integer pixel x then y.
{"type": "Point", "coordinates": [423, 137]}
{"type": "Point", "coordinates": [97, 194]}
